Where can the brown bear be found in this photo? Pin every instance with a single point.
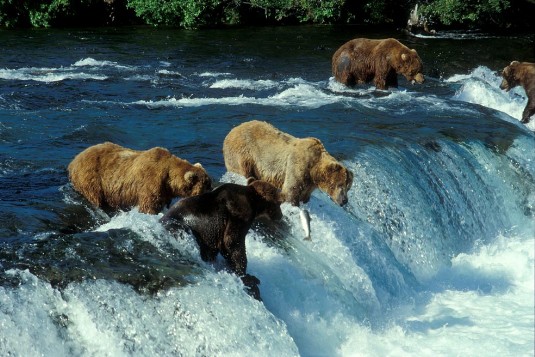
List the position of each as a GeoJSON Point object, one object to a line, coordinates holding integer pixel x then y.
{"type": "Point", "coordinates": [362, 60]}
{"type": "Point", "coordinates": [113, 177]}
{"type": "Point", "coordinates": [296, 166]}
{"type": "Point", "coordinates": [220, 220]}
{"type": "Point", "coordinates": [521, 73]}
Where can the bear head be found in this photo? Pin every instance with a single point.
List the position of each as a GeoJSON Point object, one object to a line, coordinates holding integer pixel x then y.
{"type": "Point", "coordinates": [408, 63]}
{"type": "Point", "coordinates": [335, 180]}
{"type": "Point", "coordinates": [187, 180]}
{"type": "Point", "coordinates": [510, 77]}
{"type": "Point", "coordinates": [269, 199]}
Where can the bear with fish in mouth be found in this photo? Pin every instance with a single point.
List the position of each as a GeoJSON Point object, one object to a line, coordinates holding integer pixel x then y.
{"type": "Point", "coordinates": [297, 166]}
{"type": "Point", "coordinates": [521, 73]}
{"type": "Point", "coordinates": [220, 220]}
{"type": "Point", "coordinates": [363, 60]}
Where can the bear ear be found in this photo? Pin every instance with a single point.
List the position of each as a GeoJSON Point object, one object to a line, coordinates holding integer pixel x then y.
{"type": "Point", "coordinates": [404, 56]}
{"type": "Point", "coordinates": [190, 176]}
{"type": "Point", "coordinates": [513, 62]}
{"type": "Point", "coordinates": [198, 164]}
{"type": "Point", "coordinates": [334, 167]}
{"type": "Point", "coordinates": [350, 177]}
{"type": "Point", "coordinates": [250, 180]}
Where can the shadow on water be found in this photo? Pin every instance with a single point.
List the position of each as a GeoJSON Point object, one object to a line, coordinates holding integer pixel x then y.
{"type": "Point", "coordinates": [117, 254]}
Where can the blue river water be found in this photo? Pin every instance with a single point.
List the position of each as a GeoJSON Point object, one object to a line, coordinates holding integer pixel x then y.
{"type": "Point", "coordinates": [432, 256]}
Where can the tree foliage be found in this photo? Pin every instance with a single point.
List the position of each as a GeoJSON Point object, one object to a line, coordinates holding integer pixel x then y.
{"type": "Point", "coordinates": [463, 12]}
{"type": "Point", "coordinates": [184, 13]}
{"type": "Point", "coordinates": [205, 13]}
{"type": "Point", "coordinates": [316, 11]}
{"type": "Point", "coordinates": [52, 13]}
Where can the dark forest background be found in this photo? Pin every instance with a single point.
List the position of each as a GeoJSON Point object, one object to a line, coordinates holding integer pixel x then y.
{"type": "Point", "coordinates": [486, 15]}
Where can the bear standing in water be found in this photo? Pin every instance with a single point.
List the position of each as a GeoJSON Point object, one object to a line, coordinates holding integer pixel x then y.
{"type": "Point", "coordinates": [220, 220]}
{"type": "Point", "coordinates": [521, 73]}
{"type": "Point", "coordinates": [362, 60]}
{"type": "Point", "coordinates": [297, 166]}
{"type": "Point", "coordinates": [113, 177]}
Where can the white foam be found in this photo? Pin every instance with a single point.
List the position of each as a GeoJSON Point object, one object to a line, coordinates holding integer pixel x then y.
{"type": "Point", "coordinates": [481, 86]}
{"type": "Point", "coordinates": [214, 317]}
{"type": "Point", "coordinates": [47, 75]}
{"type": "Point", "coordinates": [301, 95]}
{"type": "Point", "coordinates": [261, 84]}
{"type": "Point", "coordinates": [58, 74]}
{"type": "Point", "coordinates": [149, 229]}
{"type": "Point", "coordinates": [338, 87]}
{"type": "Point", "coordinates": [214, 74]}
{"type": "Point", "coordinates": [197, 102]}
{"type": "Point", "coordinates": [454, 35]}
{"type": "Point", "coordinates": [91, 62]}
{"type": "Point", "coordinates": [166, 72]}
{"type": "Point", "coordinates": [245, 84]}
{"type": "Point", "coordinates": [481, 306]}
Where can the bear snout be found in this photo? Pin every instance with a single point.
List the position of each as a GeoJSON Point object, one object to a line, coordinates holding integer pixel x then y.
{"type": "Point", "coordinates": [270, 211]}
{"type": "Point", "coordinates": [419, 78]}
{"type": "Point", "coordinates": [341, 199]}
{"type": "Point", "coordinates": [505, 85]}
{"type": "Point", "coordinates": [275, 214]}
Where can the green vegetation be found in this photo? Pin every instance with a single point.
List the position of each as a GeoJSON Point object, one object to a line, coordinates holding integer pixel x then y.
{"type": "Point", "coordinates": [52, 13]}
{"type": "Point", "coordinates": [462, 12]}
{"type": "Point", "coordinates": [181, 13]}
{"type": "Point", "coordinates": [316, 11]}
{"type": "Point", "coordinates": [193, 14]}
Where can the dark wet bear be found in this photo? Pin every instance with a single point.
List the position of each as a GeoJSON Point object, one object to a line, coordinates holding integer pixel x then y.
{"type": "Point", "coordinates": [220, 220]}
{"type": "Point", "coordinates": [362, 60]}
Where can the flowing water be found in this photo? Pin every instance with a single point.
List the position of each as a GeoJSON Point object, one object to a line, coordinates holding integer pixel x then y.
{"type": "Point", "coordinates": [432, 256]}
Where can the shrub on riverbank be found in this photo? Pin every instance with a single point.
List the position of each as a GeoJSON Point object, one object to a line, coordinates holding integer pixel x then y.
{"type": "Point", "coordinates": [500, 14]}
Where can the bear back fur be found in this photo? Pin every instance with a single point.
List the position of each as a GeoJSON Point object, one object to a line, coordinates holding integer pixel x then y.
{"type": "Point", "coordinates": [294, 165]}
{"type": "Point", "coordinates": [363, 60]}
{"type": "Point", "coordinates": [113, 177]}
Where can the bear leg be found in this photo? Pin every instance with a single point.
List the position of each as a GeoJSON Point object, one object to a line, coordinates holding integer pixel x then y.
{"type": "Point", "coordinates": [233, 249]}
{"type": "Point", "coordinates": [251, 286]}
{"type": "Point", "coordinates": [380, 82]}
{"type": "Point", "coordinates": [207, 254]}
{"type": "Point", "coordinates": [529, 110]}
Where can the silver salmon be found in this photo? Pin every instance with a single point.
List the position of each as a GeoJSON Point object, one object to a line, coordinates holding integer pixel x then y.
{"type": "Point", "coordinates": [305, 223]}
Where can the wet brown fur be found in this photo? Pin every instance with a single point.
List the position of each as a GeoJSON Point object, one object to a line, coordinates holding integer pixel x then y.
{"type": "Point", "coordinates": [363, 60]}
{"type": "Point", "coordinates": [296, 166]}
{"type": "Point", "coordinates": [523, 74]}
{"type": "Point", "coordinates": [220, 220]}
{"type": "Point", "coordinates": [113, 177]}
